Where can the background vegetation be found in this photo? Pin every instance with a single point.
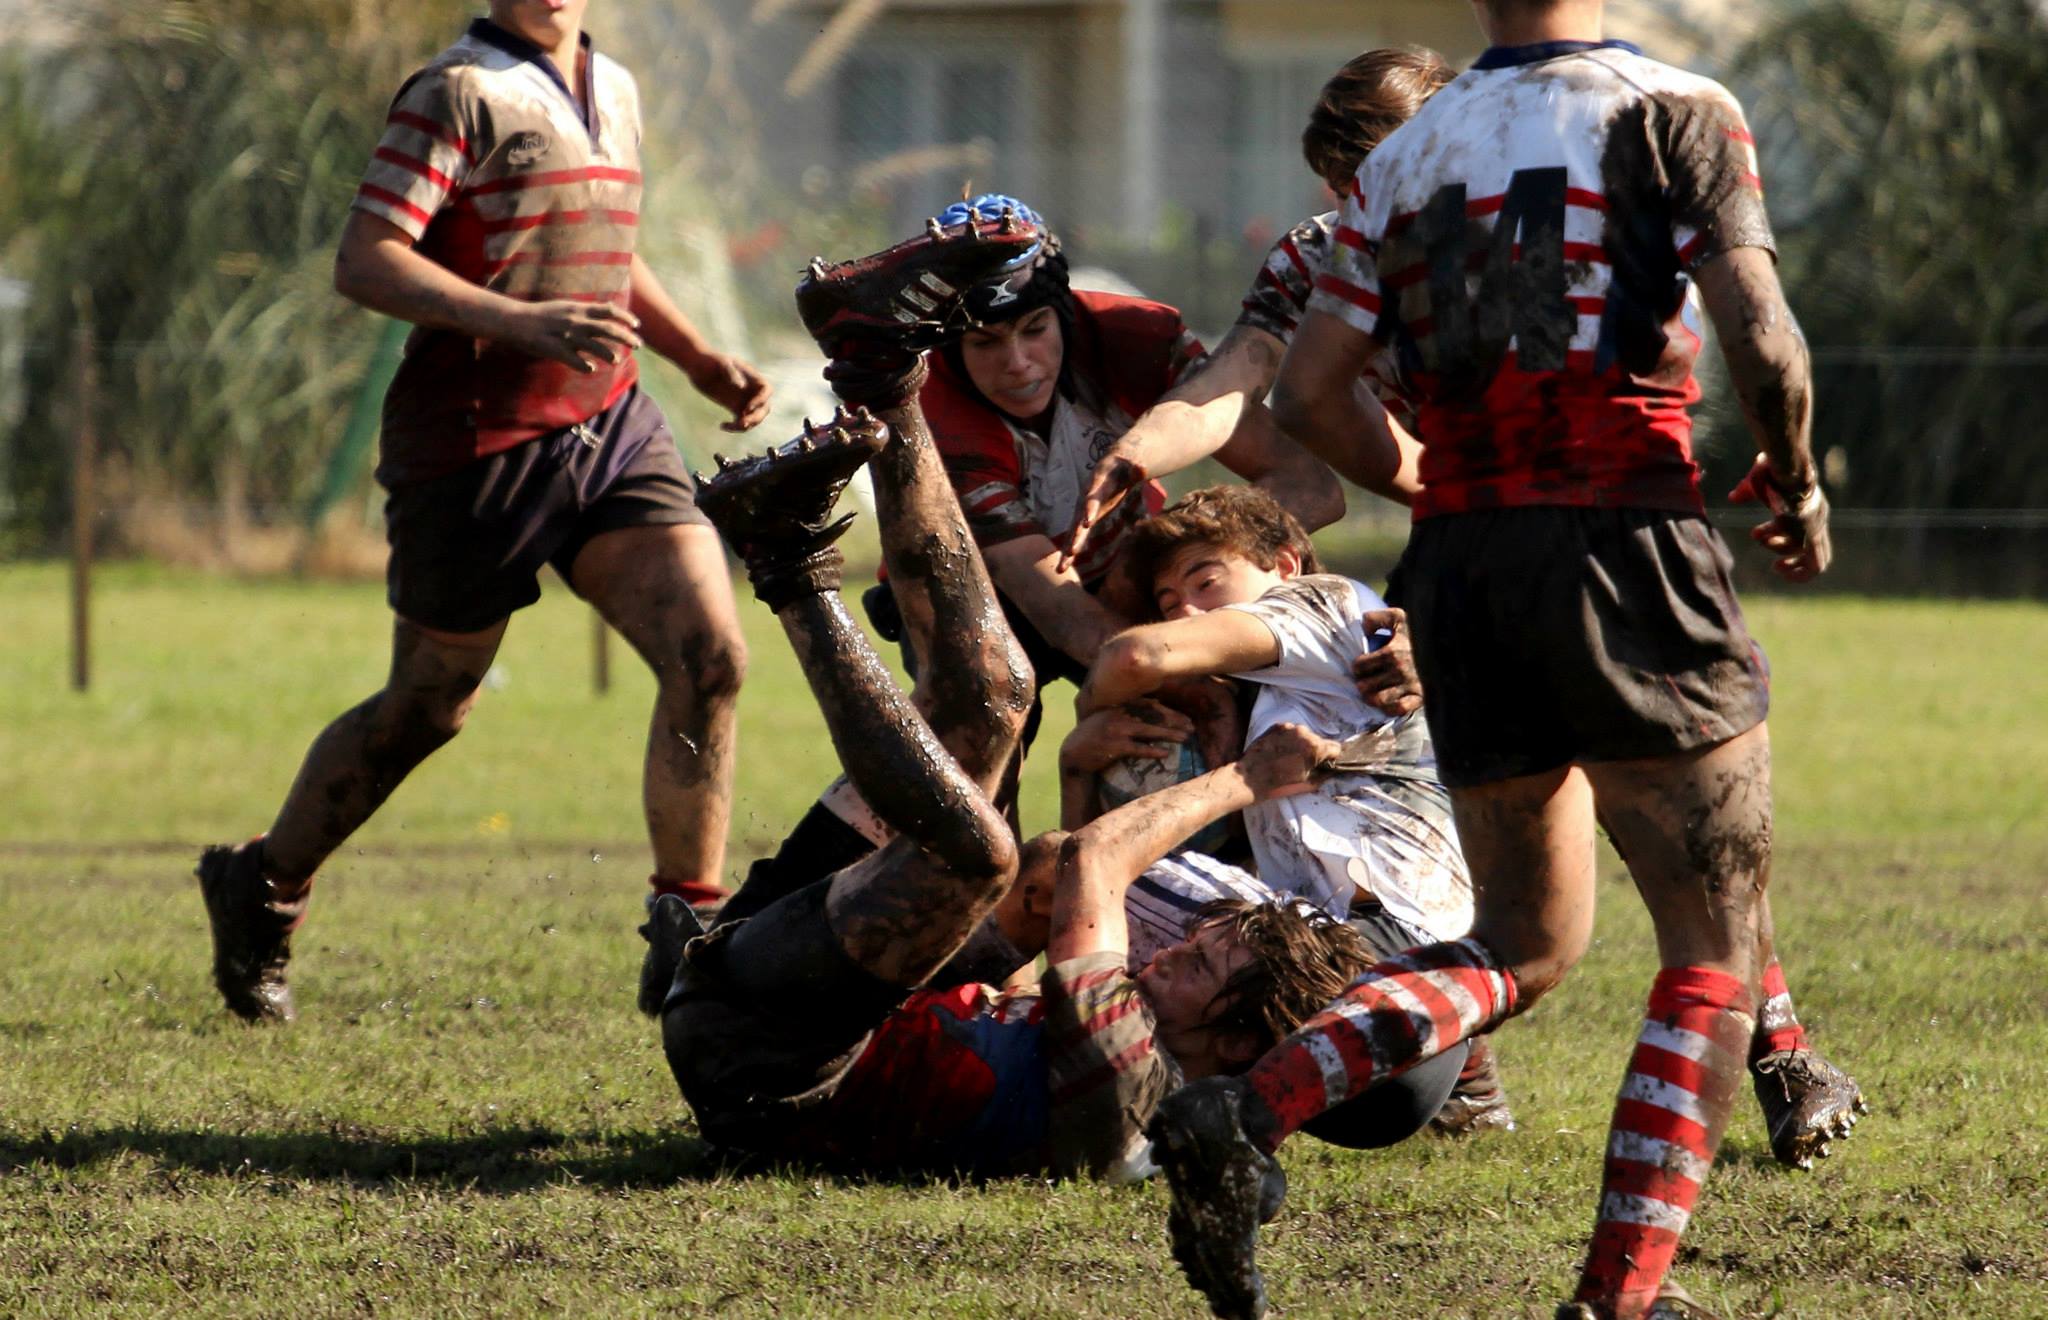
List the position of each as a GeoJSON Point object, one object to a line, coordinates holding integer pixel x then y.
{"type": "Point", "coordinates": [177, 179]}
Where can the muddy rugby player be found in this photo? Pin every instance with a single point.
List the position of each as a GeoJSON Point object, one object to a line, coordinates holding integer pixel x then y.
{"type": "Point", "coordinates": [498, 215]}
{"type": "Point", "coordinates": [804, 1024]}
{"type": "Point", "coordinates": [1525, 247]}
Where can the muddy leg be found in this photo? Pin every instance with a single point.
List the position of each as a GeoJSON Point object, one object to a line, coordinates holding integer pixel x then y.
{"type": "Point", "coordinates": [667, 591]}
{"type": "Point", "coordinates": [975, 684]}
{"type": "Point", "coordinates": [359, 759]}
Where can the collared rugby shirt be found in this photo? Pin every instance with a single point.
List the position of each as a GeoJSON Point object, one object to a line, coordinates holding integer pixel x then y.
{"type": "Point", "coordinates": [1524, 247]}
{"type": "Point", "coordinates": [497, 173]}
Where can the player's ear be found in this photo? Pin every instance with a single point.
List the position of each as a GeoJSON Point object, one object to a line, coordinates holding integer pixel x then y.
{"type": "Point", "coordinates": [1287, 563]}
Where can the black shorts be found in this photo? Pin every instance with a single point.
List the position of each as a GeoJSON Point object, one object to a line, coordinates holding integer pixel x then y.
{"type": "Point", "coordinates": [466, 548]}
{"type": "Point", "coordinates": [1548, 636]}
{"type": "Point", "coordinates": [767, 1014]}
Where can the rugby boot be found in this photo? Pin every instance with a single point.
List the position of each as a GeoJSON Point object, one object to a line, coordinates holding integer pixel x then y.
{"type": "Point", "coordinates": [1807, 1103]}
{"type": "Point", "coordinates": [252, 931]}
{"type": "Point", "coordinates": [1223, 1188]}
{"type": "Point", "coordinates": [671, 923]}
{"type": "Point", "coordinates": [1673, 1303]}
{"type": "Point", "coordinates": [775, 509]}
{"type": "Point", "coordinates": [908, 297]}
{"type": "Point", "coordinates": [1478, 1103]}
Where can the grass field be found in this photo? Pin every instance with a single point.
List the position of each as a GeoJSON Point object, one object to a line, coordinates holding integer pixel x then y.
{"type": "Point", "coordinates": [469, 1119]}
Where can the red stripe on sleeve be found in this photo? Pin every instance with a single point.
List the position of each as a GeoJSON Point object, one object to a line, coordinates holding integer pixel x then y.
{"type": "Point", "coordinates": [1350, 293]}
{"type": "Point", "coordinates": [393, 157]}
{"type": "Point", "coordinates": [1741, 135]}
{"type": "Point", "coordinates": [391, 199]}
{"type": "Point", "coordinates": [539, 218]}
{"type": "Point", "coordinates": [1352, 239]}
{"type": "Point", "coordinates": [441, 132]}
{"type": "Point", "coordinates": [1294, 255]}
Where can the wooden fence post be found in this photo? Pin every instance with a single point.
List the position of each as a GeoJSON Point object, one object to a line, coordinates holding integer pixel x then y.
{"type": "Point", "coordinates": [84, 449]}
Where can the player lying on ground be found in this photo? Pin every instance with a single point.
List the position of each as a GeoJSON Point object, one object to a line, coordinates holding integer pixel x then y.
{"type": "Point", "coordinates": [1242, 595]}
{"type": "Point", "coordinates": [1525, 246]}
{"type": "Point", "coordinates": [515, 436]}
{"type": "Point", "coordinates": [798, 1027]}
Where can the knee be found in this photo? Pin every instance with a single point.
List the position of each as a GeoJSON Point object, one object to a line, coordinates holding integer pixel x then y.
{"type": "Point", "coordinates": [1537, 960]}
{"type": "Point", "coordinates": [710, 667]}
{"type": "Point", "coordinates": [416, 723]}
{"type": "Point", "coordinates": [986, 857]}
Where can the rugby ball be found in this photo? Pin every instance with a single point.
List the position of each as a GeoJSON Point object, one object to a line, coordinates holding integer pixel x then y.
{"type": "Point", "coordinates": [1134, 777]}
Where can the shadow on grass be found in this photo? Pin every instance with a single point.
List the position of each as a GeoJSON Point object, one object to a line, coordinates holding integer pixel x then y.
{"type": "Point", "coordinates": [501, 1162]}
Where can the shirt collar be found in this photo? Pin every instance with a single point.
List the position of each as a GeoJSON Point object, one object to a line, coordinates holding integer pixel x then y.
{"type": "Point", "coordinates": [484, 30]}
{"type": "Point", "coordinates": [1508, 57]}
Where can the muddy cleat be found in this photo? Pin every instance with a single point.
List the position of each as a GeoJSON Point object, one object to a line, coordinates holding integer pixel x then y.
{"type": "Point", "coordinates": [775, 509]}
{"type": "Point", "coordinates": [1224, 1187]}
{"type": "Point", "coordinates": [671, 923]}
{"type": "Point", "coordinates": [1478, 1103]}
{"type": "Point", "coordinates": [908, 297]}
{"type": "Point", "coordinates": [1807, 1103]}
{"type": "Point", "coordinates": [252, 931]}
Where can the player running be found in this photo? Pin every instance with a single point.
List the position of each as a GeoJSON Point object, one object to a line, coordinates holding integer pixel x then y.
{"type": "Point", "coordinates": [499, 216]}
{"type": "Point", "coordinates": [1525, 249]}
{"type": "Point", "coordinates": [801, 1026]}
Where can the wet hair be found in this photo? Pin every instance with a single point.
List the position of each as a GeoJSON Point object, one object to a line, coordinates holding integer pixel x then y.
{"type": "Point", "coordinates": [1301, 959]}
{"type": "Point", "coordinates": [1241, 519]}
{"type": "Point", "coordinates": [1370, 97]}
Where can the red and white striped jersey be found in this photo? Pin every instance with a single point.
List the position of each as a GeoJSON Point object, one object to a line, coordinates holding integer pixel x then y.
{"type": "Point", "coordinates": [499, 174]}
{"type": "Point", "coordinates": [1523, 246]}
{"type": "Point", "coordinates": [1280, 295]}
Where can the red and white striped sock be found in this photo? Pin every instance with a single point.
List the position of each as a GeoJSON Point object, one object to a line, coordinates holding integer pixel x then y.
{"type": "Point", "coordinates": [1399, 1013]}
{"type": "Point", "coordinates": [1777, 1026]}
{"type": "Point", "coordinates": [1668, 1122]}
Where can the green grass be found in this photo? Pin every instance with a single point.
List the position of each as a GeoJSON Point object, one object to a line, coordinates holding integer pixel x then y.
{"type": "Point", "coordinates": [469, 1120]}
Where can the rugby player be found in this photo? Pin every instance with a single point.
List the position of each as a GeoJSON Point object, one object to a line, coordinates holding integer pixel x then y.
{"type": "Point", "coordinates": [498, 215]}
{"type": "Point", "coordinates": [1525, 248]}
{"type": "Point", "coordinates": [804, 1024]}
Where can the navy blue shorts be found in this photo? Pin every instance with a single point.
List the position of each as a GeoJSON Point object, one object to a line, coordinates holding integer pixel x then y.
{"type": "Point", "coordinates": [467, 548]}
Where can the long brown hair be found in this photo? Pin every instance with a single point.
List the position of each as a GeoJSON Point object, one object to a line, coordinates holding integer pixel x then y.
{"type": "Point", "coordinates": [1302, 959]}
{"type": "Point", "coordinates": [1370, 97]}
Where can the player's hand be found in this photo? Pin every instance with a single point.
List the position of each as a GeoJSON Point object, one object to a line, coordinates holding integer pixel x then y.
{"type": "Point", "coordinates": [1798, 530]}
{"type": "Point", "coordinates": [735, 386]}
{"type": "Point", "coordinates": [1115, 475]}
{"type": "Point", "coordinates": [1387, 678]}
{"type": "Point", "coordinates": [1286, 759]}
{"type": "Point", "coordinates": [578, 334]}
{"type": "Point", "coordinates": [1142, 728]}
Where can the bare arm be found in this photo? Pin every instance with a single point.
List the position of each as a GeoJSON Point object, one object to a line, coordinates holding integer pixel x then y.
{"type": "Point", "coordinates": [1319, 400]}
{"type": "Point", "coordinates": [377, 266]}
{"type": "Point", "coordinates": [1260, 452]}
{"type": "Point", "coordinates": [1100, 861]}
{"type": "Point", "coordinates": [1773, 376]}
{"type": "Point", "coordinates": [1191, 421]}
{"type": "Point", "coordinates": [1027, 571]}
{"type": "Point", "coordinates": [1142, 660]}
{"type": "Point", "coordinates": [725, 380]}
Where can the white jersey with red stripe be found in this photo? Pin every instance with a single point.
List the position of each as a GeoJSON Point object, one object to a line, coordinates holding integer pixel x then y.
{"type": "Point", "coordinates": [1524, 248]}
{"type": "Point", "coordinates": [498, 172]}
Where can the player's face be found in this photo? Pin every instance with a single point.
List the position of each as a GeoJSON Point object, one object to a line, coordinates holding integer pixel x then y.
{"type": "Point", "coordinates": [1184, 982]}
{"type": "Point", "coordinates": [1016, 364]}
{"type": "Point", "coordinates": [545, 23]}
{"type": "Point", "coordinates": [1200, 578]}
